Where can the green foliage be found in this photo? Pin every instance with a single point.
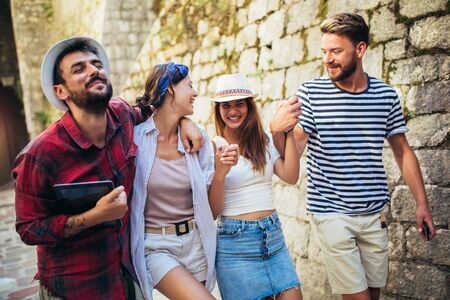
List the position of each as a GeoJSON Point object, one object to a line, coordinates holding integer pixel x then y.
{"type": "Point", "coordinates": [43, 118]}
{"type": "Point", "coordinates": [47, 9]}
{"type": "Point", "coordinates": [180, 18]}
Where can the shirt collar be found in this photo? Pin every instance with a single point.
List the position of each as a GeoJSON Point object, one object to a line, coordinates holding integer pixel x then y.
{"type": "Point", "coordinates": [150, 126]}
{"type": "Point", "coordinates": [112, 125]}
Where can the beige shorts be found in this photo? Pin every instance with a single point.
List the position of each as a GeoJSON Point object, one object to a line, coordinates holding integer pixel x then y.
{"type": "Point", "coordinates": [163, 252]}
{"type": "Point", "coordinates": [355, 251]}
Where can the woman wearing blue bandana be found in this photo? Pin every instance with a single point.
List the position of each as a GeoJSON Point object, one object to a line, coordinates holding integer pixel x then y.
{"type": "Point", "coordinates": [173, 235]}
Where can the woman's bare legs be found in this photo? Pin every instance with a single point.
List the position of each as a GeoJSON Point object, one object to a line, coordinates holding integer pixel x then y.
{"type": "Point", "coordinates": [294, 293]}
{"type": "Point", "coordinates": [179, 284]}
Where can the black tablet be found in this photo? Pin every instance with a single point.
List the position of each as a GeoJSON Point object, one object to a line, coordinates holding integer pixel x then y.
{"type": "Point", "coordinates": [81, 196]}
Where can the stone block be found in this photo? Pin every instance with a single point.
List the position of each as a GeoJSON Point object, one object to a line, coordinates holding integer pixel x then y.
{"type": "Point", "coordinates": [419, 69]}
{"type": "Point", "coordinates": [429, 98]}
{"type": "Point", "coordinates": [436, 251]}
{"type": "Point", "coordinates": [392, 171]}
{"type": "Point", "coordinates": [206, 71]}
{"type": "Point", "coordinates": [314, 250]}
{"type": "Point", "coordinates": [302, 214]}
{"type": "Point", "coordinates": [428, 130]}
{"type": "Point", "coordinates": [123, 27]}
{"type": "Point", "coordinates": [240, 3]}
{"type": "Point", "coordinates": [272, 87]}
{"type": "Point", "coordinates": [248, 61]}
{"type": "Point", "coordinates": [242, 17]}
{"type": "Point", "coordinates": [156, 27]}
{"type": "Point", "coordinates": [265, 61]}
{"type": "Point", "coordinates": [395, 49]}
{"type": "Point", "coordinates": [413, 280]}
{"type": "Point", "coordinates": [273, 5]}
{"type": "Point", "coordinates": [296, 235]}
{"type": "Point", "coordinates": [256, 85]}
{"type": "Point", "coordinates": [355, 6]}
{"type": "Point", "coordinates": [286, 197]}
{"type": "Point", "coordinates": [194, 73]}
{"type": "Point", "coordinates": [295, 76]}
{"type": "Point", "coordinates": [212, 86]}
{"type": "Point", "coordinates": [431, 32]}
{"type": "Point", "coordinates": [201, 87]}
{"type": "Point", "coordinates": [313, 43]}
{"type": "Point", "coordinates": [205, 55]}
{"type": "Point", "coordinates": [257, 10]}
{"type": "Point", "coordinates": [187, 60]}
{"type": "Point", "coordinates": [202, 27]}
{"type": "Point", "coordinates": [435, 166]}
{"type": "Point", "coordinates": [267, 111]}
{"type": "Point", "coordinates": [271, 28]}
{"type": "Point", "coordinates": [133, 39]}
{"type": "Point", "coordinates": [287, 51]}
{"type": "Point", "coordinates": [373, 61]}
{"type": "Point", "coordinates": [412, 9]}
{"type": "Point", "coordinates": [202, 109]}
{"type": "Point", "coordinates": [403, 205]}
{"type": "Point", "coordinates": [212, 37]}
{"type": "Point", "coordinates": [315, 281]}
{"type": "Point", "coordinates": [396, 243]}
{"type": "Point", "coordinates": [301, 15]}
{"type": "Point", "coordinates": [197, 56]}
{"type": "Point", "coordinates": [219, 67]}
{"type": "Point", "coordinates": [384, 26]}
{"type": "Point", "coordinates": [246, 37]}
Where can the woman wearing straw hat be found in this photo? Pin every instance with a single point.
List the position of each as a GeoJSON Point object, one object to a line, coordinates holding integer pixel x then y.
{"type": "Point", "coordinates": [252, 261]}
{"type": "Point", "coordinates": [173, 235]}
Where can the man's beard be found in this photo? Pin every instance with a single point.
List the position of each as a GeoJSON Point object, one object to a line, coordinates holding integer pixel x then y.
{"type": "Point", "coordinates": [345, 72]}
{"type": "Point", "coordinates": [92, 102]}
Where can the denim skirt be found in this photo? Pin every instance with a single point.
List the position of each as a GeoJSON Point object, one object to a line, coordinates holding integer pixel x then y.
{"type": "Point", "coordinates": [252, 261]}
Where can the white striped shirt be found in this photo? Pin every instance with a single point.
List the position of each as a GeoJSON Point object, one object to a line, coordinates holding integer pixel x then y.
{"type": "Point", "coordinates": [346, 135]}
{"type": "Point", "coordinates": [200, 167]}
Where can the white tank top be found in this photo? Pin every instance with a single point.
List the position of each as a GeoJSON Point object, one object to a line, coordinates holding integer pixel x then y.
{"type": "Point", "coordinates": [247, 190]}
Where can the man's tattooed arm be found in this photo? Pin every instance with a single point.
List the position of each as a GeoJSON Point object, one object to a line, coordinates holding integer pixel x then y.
{"type": "Point", "coordinates": [74, 224]}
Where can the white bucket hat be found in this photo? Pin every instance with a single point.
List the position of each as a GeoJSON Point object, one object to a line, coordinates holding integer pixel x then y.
{"type": "Point", "coordinates": [232, 87]}
{"type": "Point", "coordinates": [48, 65]}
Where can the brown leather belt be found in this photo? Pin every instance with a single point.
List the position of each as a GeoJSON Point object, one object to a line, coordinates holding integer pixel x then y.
{"type": "Point", "coordinates": [177, 228]}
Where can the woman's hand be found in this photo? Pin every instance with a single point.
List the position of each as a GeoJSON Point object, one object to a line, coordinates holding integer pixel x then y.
{"type": "Point", "coordinates": [226, 157]}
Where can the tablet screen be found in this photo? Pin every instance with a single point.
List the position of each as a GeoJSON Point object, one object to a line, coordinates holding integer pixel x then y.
{"type": "Point", "coordinates": [82, 196]}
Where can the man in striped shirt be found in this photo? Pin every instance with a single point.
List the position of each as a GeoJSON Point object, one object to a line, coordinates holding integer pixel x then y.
{"type": "Point", "coordinates": [346, 116]}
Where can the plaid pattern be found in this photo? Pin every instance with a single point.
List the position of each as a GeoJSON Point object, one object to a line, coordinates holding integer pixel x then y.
{"type": "Point", "coordinates": [87, 265]}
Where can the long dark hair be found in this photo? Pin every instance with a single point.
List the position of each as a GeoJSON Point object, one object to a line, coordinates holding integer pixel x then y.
{"type": "Point", "coordinates": [252, 140]}
{"type": "Point", "coordinates": [158, 81]}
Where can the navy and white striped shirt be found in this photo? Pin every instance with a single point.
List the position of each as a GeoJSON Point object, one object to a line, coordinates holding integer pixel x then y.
{"type": "Point", "coordinates": [346, 135]}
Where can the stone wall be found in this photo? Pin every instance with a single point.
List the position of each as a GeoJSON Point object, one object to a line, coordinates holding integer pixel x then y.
{"type": "Point", "coordinates": [122, 26]}
{"type": "Point", "coordinates": [277, 45]}
{"type": "Point", "coordinates": [29, 18]}
{"type": "Point", "coordinates": [125, 30]}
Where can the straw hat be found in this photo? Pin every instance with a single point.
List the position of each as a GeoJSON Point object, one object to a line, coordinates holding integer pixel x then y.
{"type": "Point", "coordinates": [232, 87]}
{"type": "Point", "coordinates": [47, 80]}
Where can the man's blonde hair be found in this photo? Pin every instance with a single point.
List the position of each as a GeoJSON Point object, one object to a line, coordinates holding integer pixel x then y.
{"type": "Point", "coordinates": [350, 25]}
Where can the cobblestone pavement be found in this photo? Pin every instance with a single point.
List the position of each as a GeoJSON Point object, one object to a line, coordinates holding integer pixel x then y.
{"type": "Point", "coordinates": [17, 260]}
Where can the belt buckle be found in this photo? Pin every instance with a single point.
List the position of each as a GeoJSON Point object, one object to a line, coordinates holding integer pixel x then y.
{"type": "Point", "coordinates": [179, 225]}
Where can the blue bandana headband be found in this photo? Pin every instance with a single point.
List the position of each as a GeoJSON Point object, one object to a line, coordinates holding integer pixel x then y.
{"type": "Point", "coordinates": [166, 79]}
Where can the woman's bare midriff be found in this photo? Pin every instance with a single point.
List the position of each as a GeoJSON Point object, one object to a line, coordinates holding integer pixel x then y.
{"type": "Point", "coordinates": [252, 216]}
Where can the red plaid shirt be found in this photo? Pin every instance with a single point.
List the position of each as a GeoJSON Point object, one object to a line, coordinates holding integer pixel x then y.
{"type": "Point", "coordinates": [87, 265]}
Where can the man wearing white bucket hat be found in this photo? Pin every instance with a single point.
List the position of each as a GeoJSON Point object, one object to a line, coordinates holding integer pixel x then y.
{"type": "Point", "coordinates": [82, 254]}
